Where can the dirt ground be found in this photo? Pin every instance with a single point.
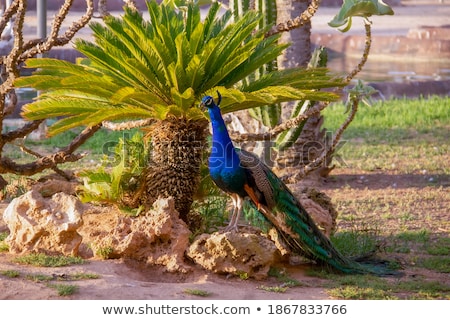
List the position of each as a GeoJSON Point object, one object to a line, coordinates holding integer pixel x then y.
{"type": "Point", "coordinates": [121, 279]}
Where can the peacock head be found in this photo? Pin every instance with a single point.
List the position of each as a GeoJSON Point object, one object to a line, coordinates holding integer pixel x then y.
{"type": "Point", "coordinates": [208, 101]}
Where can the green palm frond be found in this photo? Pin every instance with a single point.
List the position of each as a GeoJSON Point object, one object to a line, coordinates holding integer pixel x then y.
{"type": "Point", "coordinates": [138, 68]}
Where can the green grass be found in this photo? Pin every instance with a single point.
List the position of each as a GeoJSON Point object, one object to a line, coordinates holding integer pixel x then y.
{"type": "Point", "coordinates": [39, 277]}
{"type": "Point", "coordinates": [439, 264]}
{"type": "Point", "coordinates": [42, 260]}
{"type": "Point", "coordinates": [366, 287]}
{"type": "Point", "coordinates": [421, 236]}
{"type": "Point", "coordinates": [276, 289]}
{"type": "Point", "coordinates": [3, 236]}
{"type": "Point", "coordinates": [439, 247]}
{"type": "Point", "coordinates": [355, 243]}
{"type": "Point", "coordinates": [10, 273]}
{"type": "Point", "coordinates": [197, 292]}
{"type": "Point", "coordinates": [3, 245]}
{"type": "Point", "coordinates": [394, 120]}
{"type": "Point", "coordinates": [63, 289]}
{"type": "Point", "coordinates": [384, 136]}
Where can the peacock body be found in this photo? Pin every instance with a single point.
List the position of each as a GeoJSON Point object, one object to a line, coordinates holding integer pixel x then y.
{"type": "Point", "coordinates": [243, 176]}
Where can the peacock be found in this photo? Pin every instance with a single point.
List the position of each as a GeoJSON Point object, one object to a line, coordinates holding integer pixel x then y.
{"type": "Point", "coordinates": [242, 175]}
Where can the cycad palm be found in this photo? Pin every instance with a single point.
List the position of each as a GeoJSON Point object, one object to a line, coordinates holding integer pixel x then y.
{"type": "Point", "coordinates": [159, 69]}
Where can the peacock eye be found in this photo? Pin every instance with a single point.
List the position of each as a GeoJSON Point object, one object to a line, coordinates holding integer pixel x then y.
{"type": "Point", "coordinates": [209, 101]}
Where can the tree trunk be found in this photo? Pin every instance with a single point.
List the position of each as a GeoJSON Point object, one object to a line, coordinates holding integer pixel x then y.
{"type": "Point", "coordinates": [175, 159]}
{"type": "Point", "coordinates": [299, 53]}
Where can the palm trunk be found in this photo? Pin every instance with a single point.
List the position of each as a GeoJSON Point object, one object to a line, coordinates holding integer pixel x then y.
{"type": "Point", "coordinates": [175, 159]}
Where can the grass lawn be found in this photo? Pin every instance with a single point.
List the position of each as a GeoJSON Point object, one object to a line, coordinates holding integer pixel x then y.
{"type": "Point", "coordinates": [393, 186]}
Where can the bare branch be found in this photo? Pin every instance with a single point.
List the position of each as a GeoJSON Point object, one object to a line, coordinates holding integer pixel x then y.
{"type": "Point", "coordinates": [21, 132]}
{"type": "Point", "coordinates": [365, 56]}
{"type": "Point", "coordinates": [275, 131]}
{"type": "Point", "coordinates": [313, 165]}
{"type": "Point", "coordinates": [8, 14]}
{"type": "Point", "coordinates": [34, 47]}
{"type": "Point", "coordinates": [297, 22]}
{"type": "Point", "coordinates": [51, 161]}
{"type": "Point", "coordinates": [12, 58]}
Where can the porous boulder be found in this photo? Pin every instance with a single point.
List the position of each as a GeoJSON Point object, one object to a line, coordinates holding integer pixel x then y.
{"type": "Point", "coordinates": [246, 252]}
{"type": "Point", "coordinates": [46, 225]}
{"type": "Point", "coordinates": [158, 237]}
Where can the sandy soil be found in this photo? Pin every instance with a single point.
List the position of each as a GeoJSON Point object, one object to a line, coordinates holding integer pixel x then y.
{"type": "Point", "coordinates": [122, 279]}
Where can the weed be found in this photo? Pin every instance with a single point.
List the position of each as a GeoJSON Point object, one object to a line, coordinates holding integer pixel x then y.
{"type": "Point", "coordinates": [277, 289]}
{"type": "Point", "coordinates": [197, 292]}
{"type": "Point", "coordinates": [64, 289]}
{"type": "Point", "coordinates": [10, 273]}
{"type": "Point", "coordinates": [39, 277]}
{"type": "Point", "coordinates": [3, 236]}
{"type": "Point", "coordinates": [42, 260]}
{"type": "Point", "coordinates": [104, 252]}
{"type": "Point", "coordinates": [83, 276]}
{"type": "Point", "coordinates": [242, 275]}
{"type": "Point", "coordinates": [4, 246]}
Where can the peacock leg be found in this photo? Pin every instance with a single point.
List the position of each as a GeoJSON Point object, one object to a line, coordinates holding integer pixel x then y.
{"type": "Point", "coordinates": [237, 209]}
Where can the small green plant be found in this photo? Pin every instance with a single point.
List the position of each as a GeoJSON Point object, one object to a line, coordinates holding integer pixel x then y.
{"type": "Point", "coordinates": [83, 276]}
{"type": "Point", "coordinates": [104, 252]}
{"type": "Point", "coordinates": [242, 275]}
{"type": "Point", "coordinates": [277, 289]}
{"type": "Point", "coordinates": [3, 236]}
{"type": "Point", "coordinates": [39, 277]}
{"type": "Point", "coordinates": [43, 260]}
{"type": "Point", "coordinates": [10, 273]}
{"type": "Point", "coordinates": [119, 173]}
{"type": "Point", "coordinates": [64, 289]}
{"type": "Point", "coordinates": [197, 292]}
{"type": "Point", "coordinates": [3, 246]}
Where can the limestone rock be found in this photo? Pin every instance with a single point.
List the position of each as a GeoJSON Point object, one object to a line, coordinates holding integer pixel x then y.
{"type": "Point", "coordinates": [159, 237]}
{"type": "Point", "coordinates": [234, 253]}
{"type": "Point", "coordinates": [44, 225]}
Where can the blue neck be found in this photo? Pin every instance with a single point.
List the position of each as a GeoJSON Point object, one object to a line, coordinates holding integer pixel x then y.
{"type": "Point", "coordinates": [222, 146]}
{"type": "Point", "coordinates": [220, 132]}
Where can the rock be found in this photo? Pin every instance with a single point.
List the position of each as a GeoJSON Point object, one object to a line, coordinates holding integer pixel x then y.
{"type": "Point", "coordinates": [44, 225]}
{"type": "Point", "coordinates": [243, 252]}
{"type": "Point", "coordinates": [319, 207]}
{"type": "Point", "coordinates": [159, 237]}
